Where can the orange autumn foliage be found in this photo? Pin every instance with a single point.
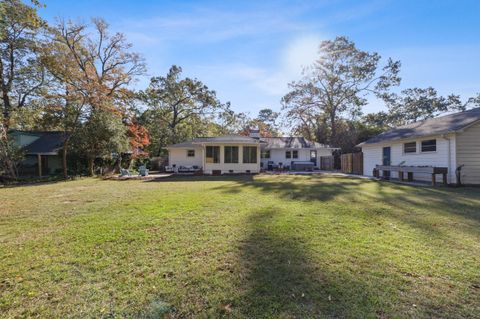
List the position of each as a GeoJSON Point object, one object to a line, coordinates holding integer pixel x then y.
{"type": "Point", "coordinates": [139, 139]}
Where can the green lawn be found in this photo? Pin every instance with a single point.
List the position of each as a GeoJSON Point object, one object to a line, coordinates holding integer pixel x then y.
{"type": "Point", "coordinates": [267, 246]}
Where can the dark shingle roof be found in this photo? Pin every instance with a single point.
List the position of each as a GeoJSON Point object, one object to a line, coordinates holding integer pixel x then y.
{"type": "Point", "coordinates": [290, 142]}
{"type": "Point", "coordinates": [439, 125]}
{"type": "Point", "coordinates": [219, 139]}
{"type": "Point", "coordinates": [48, 142]}
{"type": "Point", "coordinates": [269, 142]}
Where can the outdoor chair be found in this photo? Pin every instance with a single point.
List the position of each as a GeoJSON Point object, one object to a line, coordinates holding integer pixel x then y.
{"type": "Point", "coordinates": [124, 172]}
{"type": "Point", "coordinates": [143, 171]}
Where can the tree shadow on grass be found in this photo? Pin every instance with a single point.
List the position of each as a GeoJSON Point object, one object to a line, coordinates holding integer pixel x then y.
{"type": "Point", "coordinates": [304, 188]}
{"type": "Point", "coordinates": [406, 201]}
{"type": "Point", "coordinates": [200, 178]}
{"type": "Point", "coordinates": [35, 182]}
{"type": "Point", "coordinates": [461, 202]}
{"type": "Point", "coordinates": [281, 280]}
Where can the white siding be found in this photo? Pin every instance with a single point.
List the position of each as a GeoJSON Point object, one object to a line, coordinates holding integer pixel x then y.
{"type": "Point", "coordinates": [441, 158]}
{"type": "Point", "coordinates": [178, 157]}
{"type": "Point", "coordinates": [468, 154]}
{"type": "Point", "coordinates": [372, 155]}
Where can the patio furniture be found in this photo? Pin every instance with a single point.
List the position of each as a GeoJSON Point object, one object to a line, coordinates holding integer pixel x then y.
{"type": "Point", "coordinates": [270, 166]}
{"type": "Point", "coordinates": [169, 169]}
{"type": "Point", "coordinates": [143, 171]}
{"type": "Point", "coordinates": [302, 166]}
{"type": "Point", "coordinates": [410, 170]}
{"type": "Point", "coordinates": [124, 172]}
{"type": "Point", "coordinates": [189, 169]}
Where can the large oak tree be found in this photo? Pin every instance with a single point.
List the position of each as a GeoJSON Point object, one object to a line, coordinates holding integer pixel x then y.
{"type": "Point", "coordinates": [94, 71]}
{"type": "Point", "coordinates": [337, 85]}
{"type": "Point", "coordinates": [21, 74]}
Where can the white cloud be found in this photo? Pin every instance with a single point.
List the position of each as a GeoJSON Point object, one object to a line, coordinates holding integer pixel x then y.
{"type": "Point", "coordinates": [213, 25]}
{"type": "Point", "coordinates": [300, 53]}
{"type": "Point", "coordinates": [297, 54]}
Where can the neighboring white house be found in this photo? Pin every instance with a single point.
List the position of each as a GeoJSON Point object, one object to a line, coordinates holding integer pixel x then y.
{"type": "Point", "coordinates": [288, 151]}
{"type": "Point", "coordinates": [447, 141]}
{"type": "Point", "coordinates": [245, 154]}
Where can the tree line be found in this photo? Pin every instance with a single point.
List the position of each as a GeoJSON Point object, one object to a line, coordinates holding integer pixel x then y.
{"type": "Point", "coordinates": [77, 78]}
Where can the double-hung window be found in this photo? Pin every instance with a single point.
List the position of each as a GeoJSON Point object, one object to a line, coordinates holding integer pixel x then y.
{"type": "Point", "coordinates": [190, 153]}
{"type": "Point", "coordinates": [291, 154]}
{"type": "Point", "coordinates": [212, 154]}
{"type": "Point", "coordinates": [410, 147]}
{"type": "Point", "coordinates": [249, 154]}
{"type": "Point", "coordinates": [429, 146]}
{"type": "Point", "coordinates": [265, 154]}
{"type": "Point", "coordinates": [231, 154]}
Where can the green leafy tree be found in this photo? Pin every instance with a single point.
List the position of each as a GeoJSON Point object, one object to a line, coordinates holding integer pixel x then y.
{"type": "Point", "coordinates": [267, 122]}
{"type": "Point", "coordinates": [11, 154]}
{"type": "Point", "coordinates": [173, 101]}
{"type": "Point", "coordinates": [231, 122]}
{"type": "Point", "coordinates": [103, 136]}
{"type": "Point", "coordinates": [93, 69]}
{"type": "Point", "coordinates": [337, 85]}
{"type": "Point", "coordinates": [416, 104]}
{"type": "Point", "coordinates": [21, 74]}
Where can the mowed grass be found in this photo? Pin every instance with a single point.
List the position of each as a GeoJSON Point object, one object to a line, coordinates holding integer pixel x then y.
{"type": "Point", "coordinates": [240, 247]}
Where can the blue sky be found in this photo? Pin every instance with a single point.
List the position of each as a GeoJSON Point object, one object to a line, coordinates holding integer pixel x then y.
{"type": "Point", "coordinates": [248, 51]}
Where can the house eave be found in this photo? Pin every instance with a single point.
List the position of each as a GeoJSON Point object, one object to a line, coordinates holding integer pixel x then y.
{"type": "Point", "coordinates": [387, 141]}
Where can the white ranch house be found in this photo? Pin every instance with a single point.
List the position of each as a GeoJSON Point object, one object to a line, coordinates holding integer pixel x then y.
{"type": "Point", "coordinates": [447, 141]}
{"type": "Point", "coordinates": [245, 154]}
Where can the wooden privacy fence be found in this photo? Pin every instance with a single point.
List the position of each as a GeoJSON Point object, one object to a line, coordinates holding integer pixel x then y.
{"type": "Point", "coordinates": [327, 163]}
{"type": "Point", "coordinates": [352, 163]}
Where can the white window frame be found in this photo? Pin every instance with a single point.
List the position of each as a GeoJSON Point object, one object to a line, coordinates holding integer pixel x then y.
{"type": "Point", "coordinates": [410, 153]}
{"type": "Point", "coordinates": [264, 152]}
{"type": "Point", "coordinates": [245, 150]}
{"type": "Point", "coordinates": [421, 146]}
{"type": "Point", "coordinates": [231, 147]}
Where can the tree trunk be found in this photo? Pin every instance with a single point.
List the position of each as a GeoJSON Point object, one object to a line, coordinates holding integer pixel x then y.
{"type": "Point", "coordinates": [6, 110]}
{"type": "Point", "coordinates": [119, 163]}
{"type": "Point", "coordinates": [333, 127]}
{"type": "Point", "coordinates": [91, 162]}
{"type": "Point", "coordinates": [10, 167]}
{"type": "Point", "coordinates": [64, 160]}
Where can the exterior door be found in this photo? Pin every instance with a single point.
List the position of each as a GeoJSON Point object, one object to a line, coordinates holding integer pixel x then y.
{"type": "Point", "coordinates": [387, 160]}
